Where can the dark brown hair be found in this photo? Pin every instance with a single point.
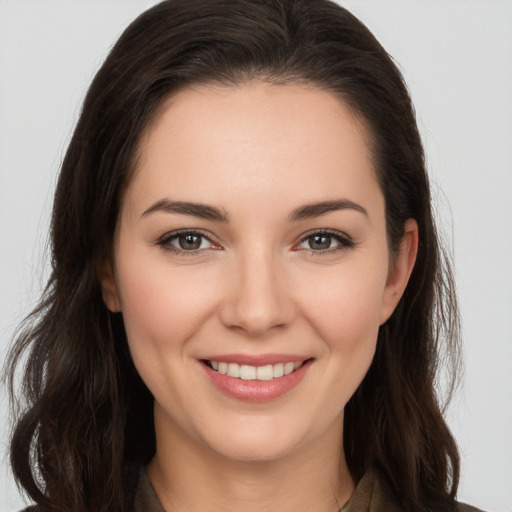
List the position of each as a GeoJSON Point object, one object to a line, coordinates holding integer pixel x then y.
{"type": "Point", "coordinates": [85, 411]}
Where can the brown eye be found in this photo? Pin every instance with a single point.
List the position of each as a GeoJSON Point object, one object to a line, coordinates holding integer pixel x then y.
{"type": "Point", "coordinates": [185, 241]}
{"type": "Point", "coordinates": [189, 242]}
{"type": "Point", "coordinates": [325, 242]}
{"type": "Point", "coordinates": [319, 242]}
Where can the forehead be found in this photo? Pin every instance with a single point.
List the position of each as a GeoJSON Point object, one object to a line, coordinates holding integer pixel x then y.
{"type": "Point", "coordinates": [207, 140]}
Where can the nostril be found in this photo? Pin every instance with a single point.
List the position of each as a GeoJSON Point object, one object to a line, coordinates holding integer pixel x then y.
{"type": "Point", "coordinates": [255, 300]}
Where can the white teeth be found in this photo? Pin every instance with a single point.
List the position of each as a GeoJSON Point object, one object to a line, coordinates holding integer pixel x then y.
{"type": "Point", "coordinates": [288, 368]}
{"type": "Point", "coordinates": [265, 372]}
{"type": "Point", "coordinates": [278, 370]}
{"type": "Point", "coordinates": [246, 372]}
{"type": "Point", "coordinates": [233, 370]}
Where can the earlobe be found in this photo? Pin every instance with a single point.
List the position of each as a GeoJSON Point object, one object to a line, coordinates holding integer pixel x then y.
{"type": "Point", "coordinates": [400, 270]}
{"type": "Point", "coordinates": [108, 284]}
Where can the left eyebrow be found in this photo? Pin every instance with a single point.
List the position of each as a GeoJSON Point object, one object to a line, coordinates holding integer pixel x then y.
{"type": "Point", "coordinates": [202, 211]}
{"type": "Point", "coordinates": [313, 210]}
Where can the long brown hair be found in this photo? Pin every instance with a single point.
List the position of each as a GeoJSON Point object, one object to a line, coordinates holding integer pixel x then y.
{"type": "Point", "coordinates": [85, 411]}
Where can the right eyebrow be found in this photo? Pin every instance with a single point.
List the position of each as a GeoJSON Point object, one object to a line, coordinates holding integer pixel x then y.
{"type": "Point", "coordinates": [313, 210]}
{"type": "Point", "coordinates": [202, 211]}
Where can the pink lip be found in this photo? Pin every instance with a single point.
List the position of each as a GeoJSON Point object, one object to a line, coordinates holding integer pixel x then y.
{"type": "Point", "coordinates": [256, 390]}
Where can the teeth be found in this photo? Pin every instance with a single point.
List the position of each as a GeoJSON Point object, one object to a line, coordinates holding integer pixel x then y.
{"type": "Point", "coordinates": [265, 372]}
{"type": "Point", "coordinates": [278, 370]}
{"type": "Point", "coordinates": [288, 368]}
{"type": "Point", "coordinates": [233, 370]}
{"type": "Point", "coordinates": [246, 372]}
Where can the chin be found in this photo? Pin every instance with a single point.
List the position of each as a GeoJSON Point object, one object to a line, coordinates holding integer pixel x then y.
{"type": "Point", "coordinates": [253, 451]}
{"type": "Point", "coordinates": [254, 443]}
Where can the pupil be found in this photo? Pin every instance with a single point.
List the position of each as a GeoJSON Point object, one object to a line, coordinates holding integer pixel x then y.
{"type": "Point", "coordinates": [320, 242]}
{"type": "Point", "coordinates": [190, 242]}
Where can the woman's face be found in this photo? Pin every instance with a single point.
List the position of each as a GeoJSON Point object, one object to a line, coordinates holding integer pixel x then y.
{"type": "Point", "coordinates": [252, 240]}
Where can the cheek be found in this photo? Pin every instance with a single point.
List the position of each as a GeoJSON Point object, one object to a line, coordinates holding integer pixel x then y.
{"type": "Point", "coordinates": [345, 308]}
{"type": "Point", "coordinates": [349, 327]}
{"type": "Point", "coordinates": [162, 305]}
{"type": "Point", "coordinates": [344, 311]}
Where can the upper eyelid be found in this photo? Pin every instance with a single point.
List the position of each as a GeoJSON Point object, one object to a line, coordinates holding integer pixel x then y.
{"type": "Point", "coordinates": [165, 242]}
{"type": "Point", "coordinates": [345, 241]}
{"type": "Point", "coordinates": [326, 231]}
{"type": "Point", "coordinates": [171, 234]}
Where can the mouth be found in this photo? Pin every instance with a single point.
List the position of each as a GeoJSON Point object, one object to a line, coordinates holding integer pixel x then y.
{"type": "Point", "coordinates": [256, 378]}
{"type": "Point", "coordinates": [247, 372]}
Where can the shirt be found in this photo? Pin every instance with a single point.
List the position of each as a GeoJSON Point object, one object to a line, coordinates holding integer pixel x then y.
{"type": "Point", "coordinates": [372, 494]}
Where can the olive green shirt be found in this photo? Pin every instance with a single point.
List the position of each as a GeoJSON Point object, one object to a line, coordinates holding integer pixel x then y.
{"type": "Point", "coordinates": [372, 494]}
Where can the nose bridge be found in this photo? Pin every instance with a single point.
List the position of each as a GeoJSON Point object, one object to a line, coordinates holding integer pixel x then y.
{"type": "Point", "coordinates": [259, 299]}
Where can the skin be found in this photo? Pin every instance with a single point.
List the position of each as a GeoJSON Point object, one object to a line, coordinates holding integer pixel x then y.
{"type": "Point", "coordinates": [257, 153]}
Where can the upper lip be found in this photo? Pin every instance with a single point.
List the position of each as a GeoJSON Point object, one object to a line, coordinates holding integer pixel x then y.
{"type": "Point", "coordinates": [257, 360]}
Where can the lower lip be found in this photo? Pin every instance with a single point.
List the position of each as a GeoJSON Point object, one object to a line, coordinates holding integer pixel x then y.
{"type": "Point", "coordinates": [256, 390]}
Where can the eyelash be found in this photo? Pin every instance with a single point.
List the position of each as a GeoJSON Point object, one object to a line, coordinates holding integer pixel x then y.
{"type": "Point", "coordinates": [166, 241]}
{"type": "Point", "coordinates": [344, 242]}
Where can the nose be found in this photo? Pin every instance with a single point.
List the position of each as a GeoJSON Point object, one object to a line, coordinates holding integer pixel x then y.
{"type": "Point", "coordinates": [257, 295]}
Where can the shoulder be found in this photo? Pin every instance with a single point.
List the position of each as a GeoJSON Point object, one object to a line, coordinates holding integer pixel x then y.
{"type": "Point", "coordinates": [139, 493]}
{"type": "Point", "coordinates": [463, 507]}
{"type": "Point", "coordinates": [374, 494]}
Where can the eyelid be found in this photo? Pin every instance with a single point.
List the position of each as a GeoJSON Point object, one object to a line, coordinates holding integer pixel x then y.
{"type": "Point", "coordinates": [165, 241]}
{"type": "Point", "coordinates": [345, 241]}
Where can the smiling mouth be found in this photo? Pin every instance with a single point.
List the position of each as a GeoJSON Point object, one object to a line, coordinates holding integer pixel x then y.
{"type": "Point", "coordinates": [247, 372]}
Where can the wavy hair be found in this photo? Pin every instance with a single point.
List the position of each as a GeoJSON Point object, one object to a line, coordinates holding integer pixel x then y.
{"type": "Point", "coordinates": [83, 409]}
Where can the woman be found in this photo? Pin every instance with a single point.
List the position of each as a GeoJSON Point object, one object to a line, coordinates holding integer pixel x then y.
{"type": "Point", "coordinates": [247, 290]}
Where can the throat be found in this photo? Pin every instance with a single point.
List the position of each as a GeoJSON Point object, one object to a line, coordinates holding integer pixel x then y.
{"type": "Point", "coordinates": [251, 486]}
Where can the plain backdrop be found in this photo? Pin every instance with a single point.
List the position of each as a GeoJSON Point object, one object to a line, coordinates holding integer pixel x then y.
{"type": "Point", "coordinates": [456, 56]}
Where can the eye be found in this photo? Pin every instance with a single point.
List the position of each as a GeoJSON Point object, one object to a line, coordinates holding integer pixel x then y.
{"type": "Point", "coordinates": [186, 241]}
{"type": "Point", "coordinates": [325, 241]}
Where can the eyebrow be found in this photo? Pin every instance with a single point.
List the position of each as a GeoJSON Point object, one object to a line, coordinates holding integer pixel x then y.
{"type": "Point", "coordinates": [202, 211]}
{"type": "Point", "coordinates": [312, 210]}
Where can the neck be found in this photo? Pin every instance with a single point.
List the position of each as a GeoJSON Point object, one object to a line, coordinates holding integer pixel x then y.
{"type": "Point", "coordinates": [187, 475]}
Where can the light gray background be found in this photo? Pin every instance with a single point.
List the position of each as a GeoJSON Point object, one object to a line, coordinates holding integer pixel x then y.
{"type": "Point", "coordinates": [456, 56]}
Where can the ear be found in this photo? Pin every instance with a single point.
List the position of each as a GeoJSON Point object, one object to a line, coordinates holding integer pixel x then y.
{"type": "Point", "coordinates": [108, 286]}
{"type": "Point", "coordinates": [400, 270]}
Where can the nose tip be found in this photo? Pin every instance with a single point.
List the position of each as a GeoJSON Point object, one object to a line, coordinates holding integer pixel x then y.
{"type": "Point", "coordinates": [257, 301]}
{"type": "Point", "coordinates": [255, 319]}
